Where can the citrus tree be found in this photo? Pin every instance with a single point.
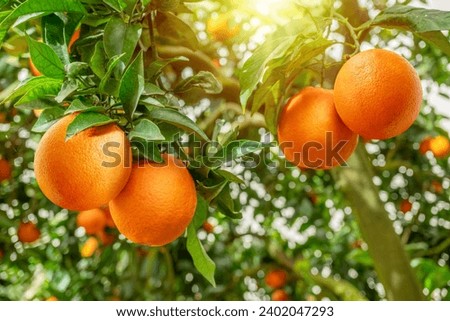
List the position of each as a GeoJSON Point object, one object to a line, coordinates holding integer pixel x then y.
{"type": "Point", "coordinates": [171, 150]}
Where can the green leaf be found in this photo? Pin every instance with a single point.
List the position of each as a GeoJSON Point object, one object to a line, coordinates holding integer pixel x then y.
{"type": "Point", "coordinates": [176, 118]}
{"type": "Point", "coordinates": [112, 63]}
{"type": "Point", "coordinates": [152, 102]}
{"type": "Point", "coordinates": [77, 68]}
{"type": "Point", "coordinates": [210, 192]}
{"type": "Point", "coordinates": [54, 36]}
{"type": "Point", "coordinates": [78, 106]}
{"type": "Point", "coordinates": [229, 176]}
{"type": "Point", "coordinates": [148, 149]}
{"type": "Point", "coordinates": [132, 85]}
{"type": "Point", "coordinates": [424, 23]}
{"type": "Point", "coordinates": [68, 88]}
{"type": "Point", "coordinates": [437, 39]}
{"type": "Point", "coordinates": [240, 148]}
{"type": "Point", "coordinates": [226, 204]}
{"type": "Point", "coordinates": [121, 38]}
{"type": "Point", "coordinates": [45, 59]}
{"type": "Point", "coordinates": [98, 60]}
{"type": "Point", "coordinates": [48, 117]}
{"type": "Point", "coordinates": [152, 90]}
{"type": "Point", "coordinates": [202, 261]}
{"type": "Point", "coordinates": [204, 80]}
{"type": "Point", "coordinates": [154, 70]}
{"type": "Point", "coordinates": [411, 19]}
{"type": "Point", "coordinates": [86, 120]}
{"type": "Point", "coordinates": [31, 8]}
{"type": "Point", "coordinates": [201, 211]}
{"type": "Point", "coordinates": [146, 130]}
{"type": "Point", "coordinates": [35, 88]}
{"type": "Point", "coordinates": [172, 27]}
{"type": "Point", "coordinates": [117, 5]}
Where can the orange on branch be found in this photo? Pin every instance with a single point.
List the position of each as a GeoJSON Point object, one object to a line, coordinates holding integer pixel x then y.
{"type": "Point", "coordinates": [5, 170]}
{"type": "Point", "coordinates": [378, 94]}
{"type": "Point", "coordinates": [276, 278]}
{"type": "Point", "coordinates": [157, 204]}
{"type": "Point", "coordinates": [440, 146]}
{"type": "Point", "coordinates": [28, 232]}
{"type": "Point", "coordinates": [222, 28]}
{"type": "Point", "coordinates": [86, 171]}
{"type": "Point", "coordinates": [311, 133]}
{"type": "Point", "coordinates": [89, 247]}
{"type": "Point", "coordinates": [406, 206]}
{"type": "Point", "coordinates": [93, 221]}
{"type": "Point", "coordinates": [280, 295]}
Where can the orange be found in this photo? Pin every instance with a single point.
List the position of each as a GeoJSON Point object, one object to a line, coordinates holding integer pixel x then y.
{"type": "Point", "coordinates": [89, 247]}
{"type": "Point", "coordinates": [75, 37]}
{"type": "Point", "coordinates": [3, 117]}
{"type": "Point", "coordinates": [157, 204]}
{"type": "Point", "coordinates": [109, 220]}
{"type": "Point", "coordinates": [93, 221]}
{"type": "Point", "coordinates": [437, 187]}
{"type": "Point", "coordinates": [28, 232]}
{"type": "Point", "coordinates": [33, 69]}
{"type": "Point", "coordinates": [425, 145]}
{"type": "Point", "coordinates": [440, 146]}
{"type": "Point", "coordinates": [405, 206]}
{"type": "Point", "coordinates": [5, 170]}
{"type": "Point", "coordinates": [378, 94]}
{"type": "Point", "coordinates": [310, 132]}
{"type": "Point", "coordinates": [222, 28]}
{"type": "Point", "coordinates": [280, 295]}
{"type": "Point", "coordinates": [208, 227]}
{"type": "Point", "coordinates": [86, 171]}
{"type": "Point", "coordinates": [276, 278]}
{"type": "Point", "coordinates": [52, 298]}
{"type": "Point", "coordinates": [106, 238]}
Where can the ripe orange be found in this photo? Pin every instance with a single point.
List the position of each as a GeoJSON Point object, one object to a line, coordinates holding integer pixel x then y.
{"type": "Point", "coordinates": [310, 132]}
{"type": "Point", "coordinates": [86, 171]}
{"type": "Point", "coordinates": [109, 220]}
{"type": "Point", "coordinates": [276, 278]}
{"type": "Point", "coordinates": [93, 221]}
{"type": "Point", "coordinates": [5, 170]}
{"type": "Point", "coordinates": [52, 298]}
{"type": "Point", "coordinates": [75, 37]}
{"type": "Point", "coordinates": [440, 146]}
{"type": "Point", "coordinates": [28, 232]}
{"type": "Point", "coordinates": [106, 238]}
{"type": "Point", "coordinates": [89, 247]}
{"type": "Point", "coordinates": [378, 94]}
{"type": "Point", "coordinates": [280, 295]}
{"type": "Point", "coordinates": [425, 145]}
{"type": "Point", "coordinates": [34, 71]}
{"type": "Point", "coordinates": [222, 28]}
{"type": "Point", "coordinates": [208, 227]}
{"type": "Point", "coordinates": [437, 187]}
{"type": "Point", "coordinates": [157, 204]}
{"type": "Point", "coordinates": [405, 206]}
{"type": "Point", "coordinates": [3, 117]}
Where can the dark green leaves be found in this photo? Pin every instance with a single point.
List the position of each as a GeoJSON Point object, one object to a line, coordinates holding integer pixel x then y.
{"type": "Point", "coordinates": [32, 8]}
{"type": "Point", "coordinates": [45, 59]}
{"type": "Point", "coordinates": [204, 80]}
{"type": "Point", "coordinates": [174, 117]}
{"type": "Point", "coordinates": [412, 19]}
{"type": "Point", "coordinates": [424, 23]}
{"type": "Point", "coordinates": [171, 27]}
{"type": "Point", "coordinates": [86, 120]}
{"type": "Point", "coordinates": [35, 88]}
{"type": "Point", "coordinates": [202, 261]}
{"type": "Point", "coordinates": [121, 38]}
{"type": "Point", "coordinates": [48, 117]}
{"type": "Point", "coordinates": [132, 85]}
{"type": "Point", "coordinates": [146, 130]}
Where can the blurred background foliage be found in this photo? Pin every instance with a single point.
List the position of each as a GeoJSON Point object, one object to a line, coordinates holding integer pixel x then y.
{"type": "Point", "coordinates": [295, 220]}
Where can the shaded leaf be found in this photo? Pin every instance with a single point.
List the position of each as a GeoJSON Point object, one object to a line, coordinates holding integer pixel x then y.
{"type": "Point", "coordinates": [121, 38]}
{"type": "Point", "coordinates": [78, 106]}
{"type": "Point", "coordinates": [146, 130]}
{"type": "Point", "coordinates": [204, 80]}
{"type": "Point", "coordinates": [202, 261]}
{"type": "Point", "coordinates": [48, 117]}
{"type": "Point", "coordinates": [86, 120]}
{"type": "Point", "coordinates": [171, 26]}
{"type": "Point", "coordinates": [201, 211]}
{"type": "Point", "coordinates": [132, 86]}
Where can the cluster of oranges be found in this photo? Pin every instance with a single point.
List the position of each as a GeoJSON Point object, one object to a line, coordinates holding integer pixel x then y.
{"type": "Point", "coordinates": [150, 203]}
{"type": "Point", "coordinates": [277, 279]}
{"type": "Point", "coordinates": [377, 95]}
